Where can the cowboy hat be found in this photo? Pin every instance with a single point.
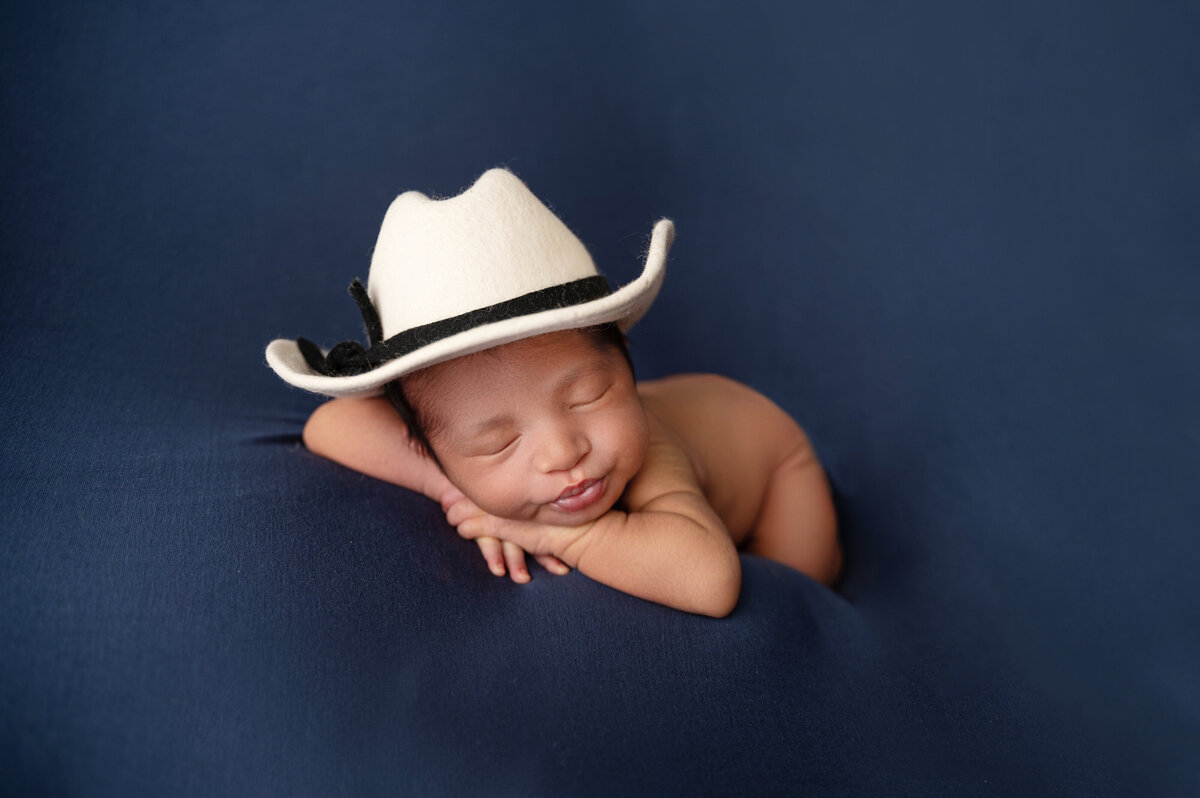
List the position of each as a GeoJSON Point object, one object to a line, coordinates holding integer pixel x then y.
{"type": "Point", "coordinates": [460, 275]}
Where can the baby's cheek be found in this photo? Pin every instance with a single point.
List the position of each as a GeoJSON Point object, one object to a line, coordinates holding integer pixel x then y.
{"type": "Point", "coordinates": [635, 440]}
{"type": "Point", "coordinates": [501, 498]}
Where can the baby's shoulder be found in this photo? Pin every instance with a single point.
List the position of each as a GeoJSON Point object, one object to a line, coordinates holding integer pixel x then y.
{"type": "Point", "coordinates": [717, 416]}
{"type": "Point", "coordinates": [733, 436]}
{"type": "Point", "coordinates": [680, 385]}
{"type": "Point", "coordinates": [703, 394]}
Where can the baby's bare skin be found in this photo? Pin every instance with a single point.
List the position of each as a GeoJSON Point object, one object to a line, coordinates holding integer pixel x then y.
{"type": "Point", "coordinates": [695, 465]}
{"type": "Point", "coordinates": [755, 466]}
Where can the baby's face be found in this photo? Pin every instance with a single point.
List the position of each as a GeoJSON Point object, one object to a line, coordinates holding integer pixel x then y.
{"type": "Point", "coordinates": [547, 429]}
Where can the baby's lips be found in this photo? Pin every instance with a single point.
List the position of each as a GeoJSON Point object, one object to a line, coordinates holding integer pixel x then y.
{"type": "Point", "coordinates": [576, 489]}
{"type": "Point", "coordinates": [582, 495]}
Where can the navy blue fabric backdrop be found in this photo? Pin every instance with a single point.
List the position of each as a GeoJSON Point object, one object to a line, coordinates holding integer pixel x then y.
{"type": "Point", "coordinates": [958, 242]}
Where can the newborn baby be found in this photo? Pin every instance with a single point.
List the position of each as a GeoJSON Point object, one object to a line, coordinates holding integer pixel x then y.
{"type": "Point", "coordinates": [533, 434]}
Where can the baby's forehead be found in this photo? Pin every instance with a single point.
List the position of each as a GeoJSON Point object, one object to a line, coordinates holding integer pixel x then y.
{"type": "Point", "coordinates": [563, 346]}
{"type": "Point", "coordinates": [549, 357]}
{"type": "Point", "coordinates": [563, 343]}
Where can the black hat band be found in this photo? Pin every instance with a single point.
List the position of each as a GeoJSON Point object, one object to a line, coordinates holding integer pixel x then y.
{"type": "Point", "coordinates": [350, 358]}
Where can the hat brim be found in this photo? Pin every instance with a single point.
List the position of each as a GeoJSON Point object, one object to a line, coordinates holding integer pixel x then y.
{"type": "Point", "coordinates": [625, 307]}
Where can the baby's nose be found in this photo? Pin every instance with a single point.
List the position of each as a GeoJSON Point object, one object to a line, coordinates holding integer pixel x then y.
{"type": "Point", "coordinates": [563, 451]}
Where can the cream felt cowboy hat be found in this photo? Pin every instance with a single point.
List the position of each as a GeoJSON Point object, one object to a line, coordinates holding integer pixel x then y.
{"type": "Point", "coordinates": [460, 275]}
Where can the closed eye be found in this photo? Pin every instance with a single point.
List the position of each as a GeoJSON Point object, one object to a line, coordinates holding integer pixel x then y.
{"type": "Point", "coordinates": [595, 398]}
{"type": "Point", "coordinates": [493, 451]}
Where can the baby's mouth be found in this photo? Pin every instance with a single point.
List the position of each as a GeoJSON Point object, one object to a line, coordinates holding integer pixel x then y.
{"type": "Point", "coordinates": [581, 496]}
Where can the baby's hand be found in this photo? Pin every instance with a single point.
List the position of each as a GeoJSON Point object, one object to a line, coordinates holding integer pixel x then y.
{"type": "Point", "coordinates": [472, 522]}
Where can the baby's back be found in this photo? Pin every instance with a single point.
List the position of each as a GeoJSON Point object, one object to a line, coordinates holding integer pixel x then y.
{"type": "Point", "coordinates": [735, 437]}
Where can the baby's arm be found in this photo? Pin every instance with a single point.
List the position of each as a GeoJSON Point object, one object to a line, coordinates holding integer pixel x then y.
{"type": "Point", "coordinates": [368, 435]}
{"type": "Point", "coordinates": [670, 547]}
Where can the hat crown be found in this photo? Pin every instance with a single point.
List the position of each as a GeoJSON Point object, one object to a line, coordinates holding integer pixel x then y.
{"type": "Point", "coordinates": [440, 258]}
{"type": "Point", "coordinates": [451, 277]}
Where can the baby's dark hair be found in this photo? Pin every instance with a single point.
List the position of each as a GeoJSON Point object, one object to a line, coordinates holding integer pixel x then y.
{"type": "Point", "coordinates": [603, 335]}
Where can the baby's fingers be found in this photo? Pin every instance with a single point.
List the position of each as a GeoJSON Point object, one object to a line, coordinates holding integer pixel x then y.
{"type": "Point", "coordinates": [473, 528]}
{"type": "Point", "coordinates": [514, 555]}
{"type": "Point", "coordinates": [553, 564]}
{"type": "Point", "coordinates": [499, 554]}
{"type": "Point", "coordinates": [462, 510]}
{"type": "Point", "coordinates": [493, 554]}
{"type": "Point", "coordinates": [456, 514]}
{"type": "Point", "coordinates": [450, 497]}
